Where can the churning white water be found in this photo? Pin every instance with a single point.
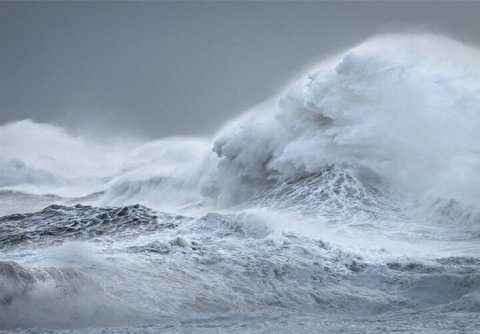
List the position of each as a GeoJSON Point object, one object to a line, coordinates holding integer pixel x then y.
{"type": "Point", "coordinates": [350, 205]}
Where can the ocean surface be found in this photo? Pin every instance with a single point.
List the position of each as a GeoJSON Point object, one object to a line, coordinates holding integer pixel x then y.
{"type": "Point", "coordinates": [348, 204]}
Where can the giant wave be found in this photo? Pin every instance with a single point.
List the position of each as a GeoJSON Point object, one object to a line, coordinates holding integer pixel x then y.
{"type": "Point", "coordinates": [353, 197]}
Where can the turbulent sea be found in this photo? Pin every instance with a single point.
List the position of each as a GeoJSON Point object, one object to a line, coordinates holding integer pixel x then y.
{"type": "Point", "coordinates": [348, 204]}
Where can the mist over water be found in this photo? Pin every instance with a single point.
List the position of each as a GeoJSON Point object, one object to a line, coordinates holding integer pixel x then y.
{"type": "Point", "coordinates": [352, 197]}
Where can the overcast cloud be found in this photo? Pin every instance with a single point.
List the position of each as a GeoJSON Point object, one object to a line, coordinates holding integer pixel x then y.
{"type": "Point", "coordinates": [170, 68]}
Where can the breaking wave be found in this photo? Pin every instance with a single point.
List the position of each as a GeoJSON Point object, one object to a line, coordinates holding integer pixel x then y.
{"type": "Point", "coordinates": [356, 194]}
{"type": "Point", "coordinates": [398, 113]}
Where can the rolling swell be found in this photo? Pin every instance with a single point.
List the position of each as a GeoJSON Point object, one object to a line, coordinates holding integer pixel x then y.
{"type": "Point", "coordinates": [58, 223]}
{"type": "Point", "coordinates": [214, 264]}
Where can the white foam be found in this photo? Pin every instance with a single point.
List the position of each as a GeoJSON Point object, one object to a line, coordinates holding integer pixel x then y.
{"type": "Point", "coordinates": [404, 107]}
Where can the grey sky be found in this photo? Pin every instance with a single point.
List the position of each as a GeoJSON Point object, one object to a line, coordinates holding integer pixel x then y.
{"type": "Point", "coordinates": [182, 68]}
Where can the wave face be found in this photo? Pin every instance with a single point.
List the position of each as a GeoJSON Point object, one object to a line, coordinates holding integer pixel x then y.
{"type": "Point", "coordinates": [351, 205]}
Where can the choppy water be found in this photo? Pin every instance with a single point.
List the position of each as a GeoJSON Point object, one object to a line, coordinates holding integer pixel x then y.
{"type": "Point", "coordinates": [349, 207]}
